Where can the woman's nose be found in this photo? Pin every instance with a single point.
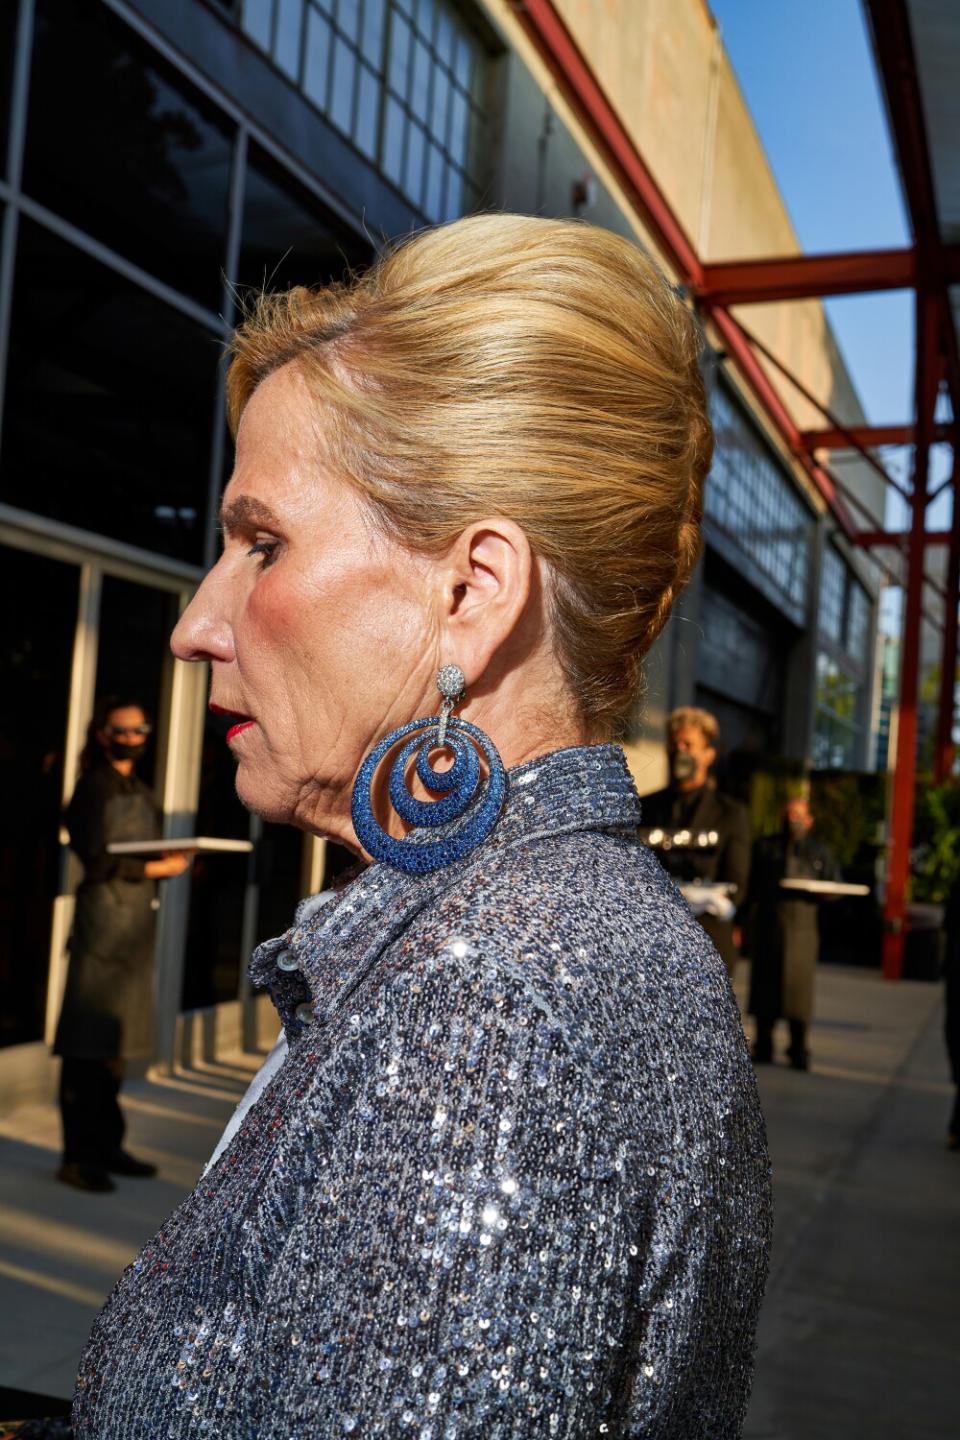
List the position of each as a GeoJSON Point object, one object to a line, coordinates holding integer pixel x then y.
{"type": "Point", "coordinates": [203, 631]}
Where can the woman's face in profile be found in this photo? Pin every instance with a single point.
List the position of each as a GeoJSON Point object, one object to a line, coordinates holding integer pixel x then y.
{"type": "Point", "coordinates": [317, 627]}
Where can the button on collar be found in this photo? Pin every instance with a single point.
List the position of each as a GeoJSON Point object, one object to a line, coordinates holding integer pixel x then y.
{"type": "Point", "coordinates": [287, 960]}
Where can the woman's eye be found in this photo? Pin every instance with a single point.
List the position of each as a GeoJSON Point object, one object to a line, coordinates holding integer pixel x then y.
{"type": "Point", "coordinates": [266, 548]}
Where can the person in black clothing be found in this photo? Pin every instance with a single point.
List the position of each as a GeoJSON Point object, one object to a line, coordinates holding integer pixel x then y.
{"type": "Point", "coordinates": [106, 1016]}
{"type": "Point", "coordinates": [781, 931]}
{"type": "Point", "coordinates": [718, 826]}
{"type": "Point", "coordinates": [951, 971]}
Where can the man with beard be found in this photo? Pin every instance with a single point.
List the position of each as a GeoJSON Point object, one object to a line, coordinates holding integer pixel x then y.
{"type": "Point", "coordinates": [106, 1016]}
{"type": "Point", "coordinates": [701, 835]}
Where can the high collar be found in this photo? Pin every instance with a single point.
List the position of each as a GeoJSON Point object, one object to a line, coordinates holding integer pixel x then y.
{"type": "Point", "coordinates": [588, 787]}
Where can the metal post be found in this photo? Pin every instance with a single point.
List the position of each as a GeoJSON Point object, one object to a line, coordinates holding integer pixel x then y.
{"type": "Point", "coordinates": [901, 819]}
{"type": "Point", "coordinates": [943, 762]}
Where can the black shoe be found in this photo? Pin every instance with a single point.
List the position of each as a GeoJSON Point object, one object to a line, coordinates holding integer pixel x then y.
{"type": "Point", "coordinates": [85, 1177]}
{"type": "Point", "coordinates": [761, 1055]}
{"type": "Point", "coordinates": [123, 1163]}
{"type": "Point", "coordinates": [799, 1059]}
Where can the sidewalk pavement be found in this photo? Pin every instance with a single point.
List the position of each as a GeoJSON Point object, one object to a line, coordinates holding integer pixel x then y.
{"type": "Point", "coordinates": [860, 1329]}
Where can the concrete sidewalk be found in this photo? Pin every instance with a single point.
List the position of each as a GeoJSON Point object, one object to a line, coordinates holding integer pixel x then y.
{"type": "Point", "coordinates": [61, 1250]}
{"type": "Point", "coordinates": [860, 1330]}
{"type": "Point", "coordinates": [861, 1326]}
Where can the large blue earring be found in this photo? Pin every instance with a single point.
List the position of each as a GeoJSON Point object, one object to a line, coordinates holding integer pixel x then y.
{"type": "Point", "coordinates": [458, 786]}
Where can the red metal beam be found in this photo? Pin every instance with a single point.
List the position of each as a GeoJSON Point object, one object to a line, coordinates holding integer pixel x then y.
{"type": "Point", "coordinates": [812, 277]}
{"type": "Point", "coordinates": [904, 779]}
{"type": "Point", "coordinates": [943, 759]}
{"type": "Point", "coordinates": [899, 538]}
{"type": "Point", "coordinates": [864, 435]}
{"type": "Point", "coordinates": [564, 58]}
{"type": "Point", "coordinates": [936, 263]}
{"type": "Point", "coordinates": [807, 277]}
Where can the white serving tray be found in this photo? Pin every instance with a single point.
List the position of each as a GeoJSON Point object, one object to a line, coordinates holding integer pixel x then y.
{"type": "Point", "coordinates": [825, 887]}
{"type": "Point", "coordinates": [171, 844]}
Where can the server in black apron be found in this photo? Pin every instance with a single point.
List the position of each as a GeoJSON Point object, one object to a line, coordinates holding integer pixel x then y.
{"type": "Point", "coordinates": [107, 1012]}
{"type": "Point", "coordinates": [700, 834]}
{"type": "Point", "coordinates": [781, 931]}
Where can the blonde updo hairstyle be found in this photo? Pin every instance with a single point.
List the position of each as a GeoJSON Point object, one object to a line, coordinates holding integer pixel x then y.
{"type": "Point", "coordinates": [540, 370]}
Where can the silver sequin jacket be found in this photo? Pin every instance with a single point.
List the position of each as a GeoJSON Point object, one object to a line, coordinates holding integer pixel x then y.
{"type": "Point", "coordinates": [511, 1180]}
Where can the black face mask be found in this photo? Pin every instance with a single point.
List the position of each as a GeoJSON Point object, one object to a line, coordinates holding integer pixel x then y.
{"type": "Point", "coordinates": [682, 766]}
{"type": "Point", "coordinates": [120, 750]}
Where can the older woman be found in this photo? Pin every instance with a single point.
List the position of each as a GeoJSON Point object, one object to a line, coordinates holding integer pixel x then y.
{"type": "Point", "coordinates": [511, 1178]}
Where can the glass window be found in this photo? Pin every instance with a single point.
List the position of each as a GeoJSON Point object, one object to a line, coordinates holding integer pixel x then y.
{"type": "Point", "coordinates": [740, 656]}
{"type": "Point", "coordinates": [159, 190]}
{"type": "Point", "coordinates": [749, 498]}
{"type": "Point", "coordinates": [439, 106]}
{"type": "Point", "coordinates": [433, 203]}
{"type": "Point", "coordinates": [348, 18]}
{"type": "Point", "coordinates": [420, 81]}
{"type": "Point", "coordinates": [8, 35]}
{"type": "Point", "coordinates": [288, 36]}
{"type": "Point", "coordinates": [38, 598]}
{"type": "Point", "coordinates": [316, 69]}
{"type": "Point", "coordinates": [836, 731]}
{"type": "Point", "coordinates": [374, 26]}
{"type": "Point", "coordinates": [110, 399]}
{"type": "Point", "coordinates": [368, 113]}
{"type": "Point", "coordinates": [858, 622]}
{"type": "Point", "coordinates": [411, 62]}
{"type": "Point", "coordinates": [453, 202]}
{"type": "Point", "coordinates": [288, 237]}
{"type": "Point", "coordinates": [832, 586]}
{"type": "Point", "coordinates": [344, 76]}
{"type": "Point", "coordinates": [413, 175]}
{"type": "Point", "coordinates": [399, 55]}
{"type": "Point", "coordinates": [258, 21]}
{"type": "Point", "coordinates": [394, 126]}
{"type": "Point", "coordinates": [445, 38]}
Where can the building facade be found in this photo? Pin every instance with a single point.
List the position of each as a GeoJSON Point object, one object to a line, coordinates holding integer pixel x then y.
{"type": "Point", "coordinates": [157, 157]}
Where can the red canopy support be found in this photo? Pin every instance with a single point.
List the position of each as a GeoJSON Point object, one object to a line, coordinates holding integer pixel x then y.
{"type": "Point", "coordinates": [865, 437]}
{"type": "Point", "coordinates": [904, 779]}
{"type": "Point", "coordinates": [807, 277]}
{"type": "Point", "coordinates": [943, 763]}
{"type": "Point", "coordinates": [857, 435]}
{"type": "Point", "coordinates": [929, 267]}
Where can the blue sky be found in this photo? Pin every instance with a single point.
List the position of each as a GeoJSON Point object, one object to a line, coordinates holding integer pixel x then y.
{"type": "Point", "coordinates": [806, 70]}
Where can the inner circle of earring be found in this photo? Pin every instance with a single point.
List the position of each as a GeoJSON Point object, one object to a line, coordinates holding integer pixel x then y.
{"type": "Point", "coordinates": [462, 795]}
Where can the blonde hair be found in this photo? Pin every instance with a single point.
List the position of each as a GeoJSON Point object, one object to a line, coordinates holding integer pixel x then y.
{"type": "Point", "coordinates": [693, 716]}
{"type": "Point", "coordinates": [540, 370]}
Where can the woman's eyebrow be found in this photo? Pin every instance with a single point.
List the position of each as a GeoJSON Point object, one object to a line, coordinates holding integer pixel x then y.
{"type": "Point", "coordinates": [246, 513]}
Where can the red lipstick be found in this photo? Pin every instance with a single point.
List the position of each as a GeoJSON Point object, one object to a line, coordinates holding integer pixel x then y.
{"type": "Point", "coordinates": [243, 721]}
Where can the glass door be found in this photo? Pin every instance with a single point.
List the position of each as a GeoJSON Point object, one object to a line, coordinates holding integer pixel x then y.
{"type": "Point", "coordinates": [39, 599]}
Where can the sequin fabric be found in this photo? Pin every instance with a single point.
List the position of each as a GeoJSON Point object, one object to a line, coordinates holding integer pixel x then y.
{"type": "Point", "coordinates": [511, 1180]}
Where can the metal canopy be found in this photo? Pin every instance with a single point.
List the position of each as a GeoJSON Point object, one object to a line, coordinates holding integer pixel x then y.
{"type": "Point", "coordinates": [917, 48]}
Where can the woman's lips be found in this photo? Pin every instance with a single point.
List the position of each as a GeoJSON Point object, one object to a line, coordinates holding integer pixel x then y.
{"type": "Point", "coordinates": [243, 722]}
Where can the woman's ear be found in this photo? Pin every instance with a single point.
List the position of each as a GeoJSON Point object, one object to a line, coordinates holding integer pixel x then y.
{"type": "Point", "coordinates": [486, 581]}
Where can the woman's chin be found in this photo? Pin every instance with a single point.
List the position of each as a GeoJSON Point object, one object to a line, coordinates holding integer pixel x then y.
{"type": "Point", "coordinates": [256, 794]}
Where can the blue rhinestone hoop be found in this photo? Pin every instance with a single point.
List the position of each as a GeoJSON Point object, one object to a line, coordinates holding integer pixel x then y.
{"type": "Point", "coordinates": [459, 787]}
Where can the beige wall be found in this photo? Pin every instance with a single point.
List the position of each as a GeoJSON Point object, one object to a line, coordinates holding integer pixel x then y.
{"type": "Point", "coordinates": [664, 69]}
